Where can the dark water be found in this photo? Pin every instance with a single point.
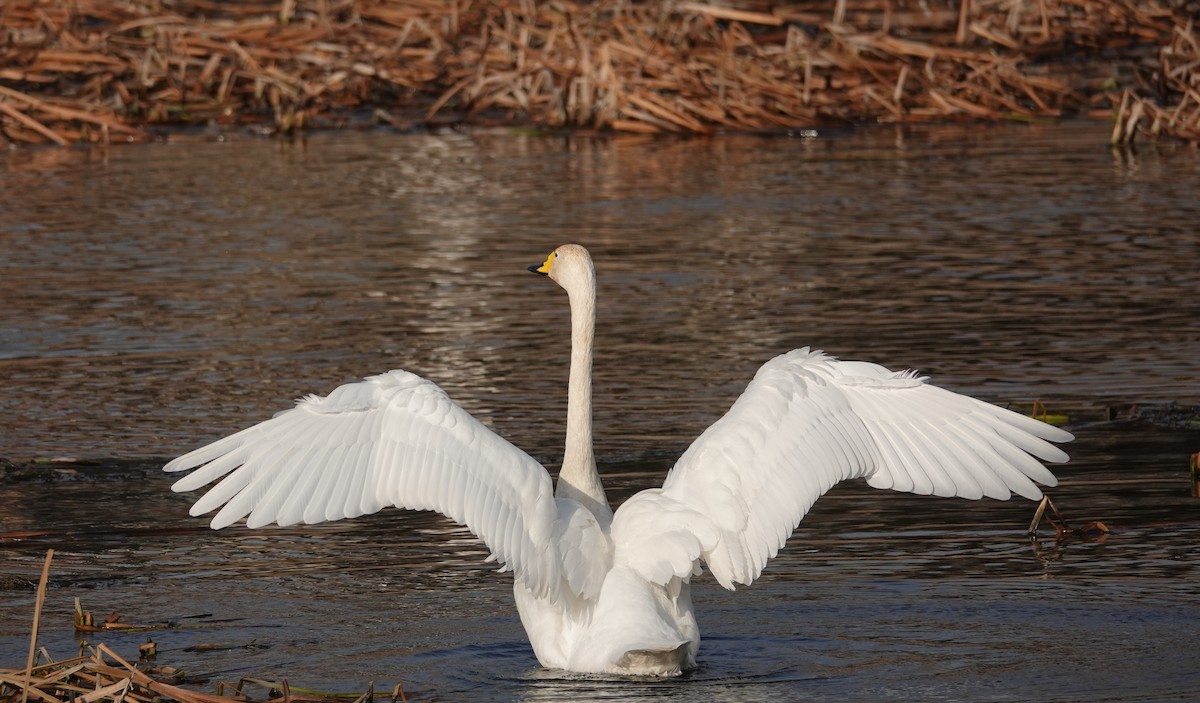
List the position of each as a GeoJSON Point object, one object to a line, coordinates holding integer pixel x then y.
{"type": "Point", "coordinates": [157, 297]}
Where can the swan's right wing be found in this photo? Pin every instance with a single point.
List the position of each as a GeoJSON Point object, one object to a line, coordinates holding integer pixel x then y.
{"type": "Point", "coordinates": [806, 422]}
{"type": "Point", "coordinates": [392, 439]}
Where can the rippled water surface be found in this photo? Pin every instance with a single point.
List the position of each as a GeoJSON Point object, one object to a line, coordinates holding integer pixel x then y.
{"type": "Point", "coordinates": [157, 297]}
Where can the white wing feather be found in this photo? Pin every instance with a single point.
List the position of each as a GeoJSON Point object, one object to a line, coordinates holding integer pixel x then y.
{"type": "Point", "coordinates": [806, 422]}
{"type": "Point", "coordinates": [393, 439]}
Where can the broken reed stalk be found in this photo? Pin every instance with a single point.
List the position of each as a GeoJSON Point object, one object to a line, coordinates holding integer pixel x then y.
{"type": "Point", "coordinates": [1037, 515]}
{"type": "Point", "coordinates": [398, 694]}
{"type": "Point", "coordinates": [37, 618]}
{"type": "Point", "coordinates": [1062, 530]}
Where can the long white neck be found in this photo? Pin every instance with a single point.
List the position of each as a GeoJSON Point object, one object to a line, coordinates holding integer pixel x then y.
{"type": "Point", "coordinates": [578, 478]}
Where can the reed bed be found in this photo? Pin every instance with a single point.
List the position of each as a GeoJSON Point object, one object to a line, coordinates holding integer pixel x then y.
{"type": "Point", "coordinates": [1166, 98]}
{"type": "Point", "coordinates": [122, 70]}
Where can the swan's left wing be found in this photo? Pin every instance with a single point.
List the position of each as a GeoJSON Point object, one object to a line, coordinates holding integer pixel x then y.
{"type": "Point", "coordinates": [392, 439]}
{"type": "Point", "coordinates": [806, 422]}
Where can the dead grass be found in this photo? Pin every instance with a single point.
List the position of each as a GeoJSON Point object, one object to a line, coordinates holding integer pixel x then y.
{"type": "Point", "coordinates": [117, 70]}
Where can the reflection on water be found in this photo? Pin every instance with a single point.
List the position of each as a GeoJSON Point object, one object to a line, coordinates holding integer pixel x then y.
{"type": "Point", "coordinates": [159, 296]}
{"type": "Point", "coordinates": [166, 294]}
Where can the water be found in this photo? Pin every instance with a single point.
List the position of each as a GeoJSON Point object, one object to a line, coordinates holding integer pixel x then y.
{"type": "Point", "coordinates": [157, 297]}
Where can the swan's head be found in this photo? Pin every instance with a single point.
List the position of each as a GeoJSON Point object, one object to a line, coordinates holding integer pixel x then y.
{"type": "Point", "coordinates": [570, 266]}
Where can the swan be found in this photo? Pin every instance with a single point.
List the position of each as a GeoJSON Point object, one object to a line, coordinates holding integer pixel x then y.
{"type": "Point", "coordinates": [604, 592]}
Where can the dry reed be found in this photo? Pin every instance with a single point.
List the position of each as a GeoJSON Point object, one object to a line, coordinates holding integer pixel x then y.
{"type": "Point", "coordinates": [102, 675]}
{"type": "Point", "coordinates": [116, 70]}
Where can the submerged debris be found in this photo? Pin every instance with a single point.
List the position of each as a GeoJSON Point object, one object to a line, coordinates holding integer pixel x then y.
{"type": "Point", "coordinates": [113, 70]}
{"type": "Point", "coordinates": [1040, 412]}
{"type": "Point", "coordinates": [85, 622]}
{"type": "Point", "coordinates": [1171, 415]}
{"type": "Point", "coordinates": [1195, 474]}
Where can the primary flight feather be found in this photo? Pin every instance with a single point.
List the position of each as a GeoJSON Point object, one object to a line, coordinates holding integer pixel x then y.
{"type": "Point", "coordinates": [610, 593]}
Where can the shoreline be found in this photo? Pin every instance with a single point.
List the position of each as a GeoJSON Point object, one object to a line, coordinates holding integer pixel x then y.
{"type": "Point", "coordinates": [110, 71]}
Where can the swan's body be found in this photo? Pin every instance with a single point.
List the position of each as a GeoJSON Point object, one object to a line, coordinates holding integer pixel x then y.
{"type": "Point", "coordinates": [603, 592]}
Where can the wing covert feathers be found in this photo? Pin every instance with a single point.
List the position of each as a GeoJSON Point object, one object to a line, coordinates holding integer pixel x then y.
{"type": "Point", "coordinates": [392, 439]}
{"type": "Point", "coordinates": [808, 421]}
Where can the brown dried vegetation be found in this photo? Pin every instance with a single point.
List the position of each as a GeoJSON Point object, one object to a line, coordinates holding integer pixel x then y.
{"type": "Point", "coordinates": [99, 674]}
{"type": "Point", "coordinates": [103, 676]}
{"type": "Point", "coordinates": [114, 70]}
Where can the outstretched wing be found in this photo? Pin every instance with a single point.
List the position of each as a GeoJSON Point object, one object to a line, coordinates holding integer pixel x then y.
{"type": "Point", "coordinates": [393, 439]}
{"type": "Point", "coordinates": [806, 422]}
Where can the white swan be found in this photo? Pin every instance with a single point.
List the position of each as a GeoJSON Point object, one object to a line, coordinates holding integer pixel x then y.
{"type": "Point", "coordinates": [606, 593]}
